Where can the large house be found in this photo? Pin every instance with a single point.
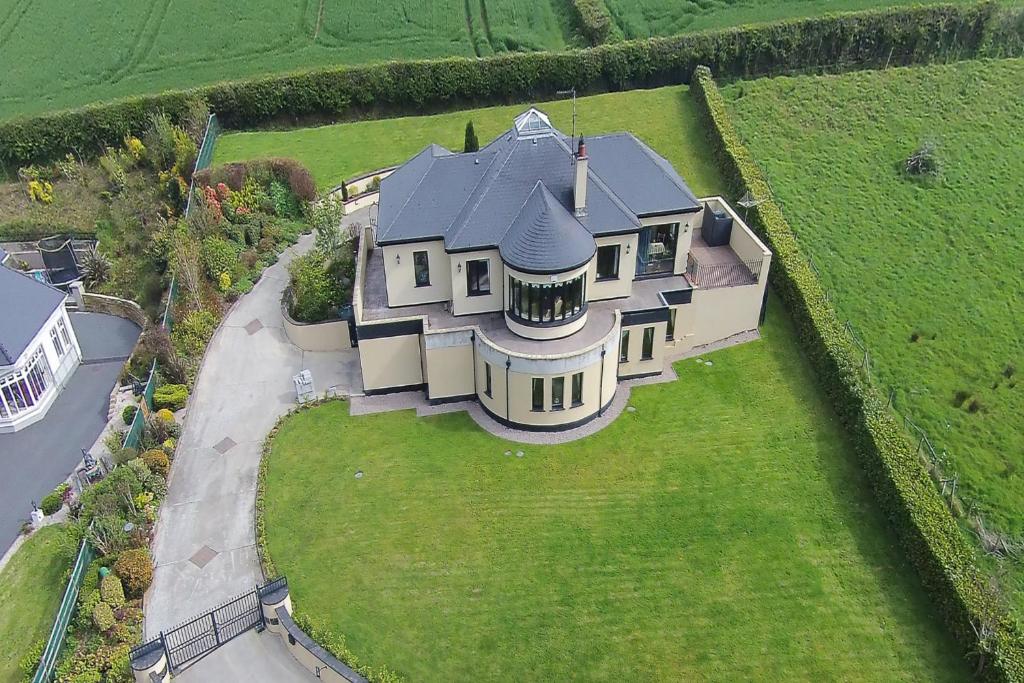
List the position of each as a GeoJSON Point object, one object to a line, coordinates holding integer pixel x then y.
{"type": "Point", "coordinates": [38, 348]}
{"type": "Point", "coordinates": [535, 274]}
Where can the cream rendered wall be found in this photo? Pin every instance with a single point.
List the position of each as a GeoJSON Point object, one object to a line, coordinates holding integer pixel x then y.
{"type": "Point", "coordinates": [634, 366]}
{"type": "Point", "coordinates": [462, 303]}
{"type": "Point", "coordinates": [683, 334]}
{"type": "Point", "coordinates": [521, 396]}
{"type": "Point", "coordinates": [401, 275]}
{"type": "Point", "coordinates": [390, 362]}
{"type": "Point", "coordinates": [725, 311]}
{"type": "Point", "coordinates": [623, 285]}
{"type": "Point", "coordinates": [496, 401]}
{"type": "Point", "coordinates": [450, 371]}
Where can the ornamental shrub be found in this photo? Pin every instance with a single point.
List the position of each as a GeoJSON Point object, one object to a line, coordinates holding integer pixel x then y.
{"type": "Point", "coordinates": [103, 617]}
{"type": "Point", "coordinates": [218, 256]}
{"type": "Point", "coordinates": [595, 21]}
{"type": "Point", "coordinates": [29, 662]}
{"type": "Point", "coordinates": [40, 191]}
{"type": "Point", "coordinates": [315, 293]}
{"type": "Point", "coordinates": [128, 413]}
{"type": "Point", "coordinates": [51, 503]}
{"type": "Point", "coordinates": [170, 396]}
{"type": "Point", "coordinates": [157, 461]}
{"type": "Point", "coordinates": [165, 415]}
{"type": "Point", "coordinates": [135, 567]}
{"type": "Point", "coordinates": [111, 591]}
{"type": "Point", "coordinates": [192, 333]}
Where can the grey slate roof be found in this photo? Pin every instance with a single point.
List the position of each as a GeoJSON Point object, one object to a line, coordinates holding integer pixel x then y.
{"type": "Point", "coordinates": [25, 306]}
{"type": "Point", "coordinates": [544, 237]}
{"type": "Point", "coordinates": [471, 200]}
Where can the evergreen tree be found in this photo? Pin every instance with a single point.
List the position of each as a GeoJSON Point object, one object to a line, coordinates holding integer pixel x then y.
{"type": "Point", "coordinates": [472, 144]}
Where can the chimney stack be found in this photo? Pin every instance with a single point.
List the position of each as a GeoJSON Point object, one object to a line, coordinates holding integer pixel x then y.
{"type": "Point", "coordinates": [579, 188]}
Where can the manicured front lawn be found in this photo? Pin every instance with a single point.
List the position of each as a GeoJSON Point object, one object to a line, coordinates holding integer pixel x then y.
{"type": "Point", "coordinates": [721, 531]}
{"type": "Point", "coordinates": [928, 272]}
{"type": "Point", "coordinates": [664, 118]}
{"type": "Point", "coordinates": [31, 587]}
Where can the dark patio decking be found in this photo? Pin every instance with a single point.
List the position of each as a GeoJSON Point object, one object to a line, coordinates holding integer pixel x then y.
{"type": "Point", "coordinates": [37, 458]}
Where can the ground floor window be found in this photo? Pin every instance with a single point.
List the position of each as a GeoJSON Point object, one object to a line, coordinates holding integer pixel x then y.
{"type": "Point", "coordinates": [624, 347]}
{"type": "Point", "coordinates": [577, 389]}
{"type": "Point", "coordinates": [670, 331]}
{"type": "Point", "coordinates": [58, 343]}
{"type": "Point", "coordinates": [557, 393]}
{"type": "Point", "coordinates": [487, 380]}
{"type": "Point", "coordinates": [538, 394]}
{"type": "Point", "coordinates": [647, 352]}
{"type": "Point", "coordinates": [21, 390]}
{"type": "Point", "coordinates": [421, 266]}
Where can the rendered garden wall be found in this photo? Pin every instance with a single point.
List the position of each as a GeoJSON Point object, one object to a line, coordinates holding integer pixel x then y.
{"type": "Point", "coordinates": [928, 532]}
{"type": "Point", "coordinates": [837, 42]}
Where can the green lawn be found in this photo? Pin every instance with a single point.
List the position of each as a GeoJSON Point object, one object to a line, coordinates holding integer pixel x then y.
{"type": "Point", "coordinates": [665, 118]}
{"type": "Point", "coordinates": [31, 587]}
{"type": "Point", "coordinates": [721, 531]}
{"type": "Point", "coordinates": [939, 262]}
{"type": "Point", "coordinates": [58, 54]}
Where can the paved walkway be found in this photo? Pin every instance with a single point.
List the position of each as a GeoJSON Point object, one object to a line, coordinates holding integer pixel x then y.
{"type": "Point", "coordinates": [37, 458]}
{"type": "Point", "coordinates": [205, 542]}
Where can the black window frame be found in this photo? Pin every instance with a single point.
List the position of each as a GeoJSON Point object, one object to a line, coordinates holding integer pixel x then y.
{"type": "Point", "coordinates": [541, 304]}
{"type": "Point", "coordinates": [670, 328]}
{"type": "Point", "coordinates": [577, 389]}
{"type": "Point", "coordinates": [487, 380]}
{"type": "Point", "coordinates": [416, 266]}
{"type": "Point", "coordinates": [624, 347]}
{"type": "Point", "coordinates": [647, 346]}
{"type": "Point", "coordinates": [537, 390]}
{"type": "Point", "coordinates": [473, 277]}
{"type": "Point", "coordinates": [617, 250]}
{"type": "Point", "coordinates": [558, 392]}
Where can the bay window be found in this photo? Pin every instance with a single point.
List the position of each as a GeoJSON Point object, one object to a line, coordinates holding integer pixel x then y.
{"type": "Point", "coordinates": [542, 303]}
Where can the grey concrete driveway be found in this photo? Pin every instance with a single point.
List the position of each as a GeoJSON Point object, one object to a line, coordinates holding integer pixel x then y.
{"type": "Point", "coordinates": [244, 385]}
{"type": "Point", "coordinates": [37, 458]}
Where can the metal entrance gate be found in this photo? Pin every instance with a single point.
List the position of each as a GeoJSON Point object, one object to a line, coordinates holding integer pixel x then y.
{"type": "Point", "coordinates": [197, 637]}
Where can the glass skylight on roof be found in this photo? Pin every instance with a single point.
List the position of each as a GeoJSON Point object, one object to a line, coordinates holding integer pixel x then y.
{"type": "Point", "coordinates": [533, 122]}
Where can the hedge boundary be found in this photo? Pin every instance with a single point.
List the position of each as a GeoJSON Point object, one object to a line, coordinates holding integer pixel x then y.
{"type": "Point", "coordinates": [30, 230]}
{"type": "Point", "coordinates": [594, 19]}
{"type": "Point", "coordinates": [895, 36]}
{"type": "Point", "coordinates": [944, 559]}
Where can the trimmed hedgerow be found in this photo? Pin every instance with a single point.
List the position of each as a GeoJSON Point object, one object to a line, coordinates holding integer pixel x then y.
{"type": "Point", "coordinates": [930, 537]}
{"type": "Point", "coordinates": [836, 42]}
{"type": "Point", "coordinates": [594, 19]}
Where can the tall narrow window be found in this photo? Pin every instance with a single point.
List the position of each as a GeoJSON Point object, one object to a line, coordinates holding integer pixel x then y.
{"type": "Point", "coordinates": [624, 347]}
{"type": "Point", "coordinates": [577, 389]}
{"type": "Point", "coordinates": [647, 351]}
{"type": "Point", "coordinates": [478, 277]}
{"type": "Point", "coordinates": [58, 344]}
{"type": "Point", "coordinates": [608, 262]}
{"type": "Point", "coordinates": [422, 265]}
{"type": "Point", "coordinates": [64, 332]}
{"type": "Point", "coordinates": [538, 394]}
{"type": "Point", "coordinates": [487, 380]}
{"type": "Point", "coordinates": [670, 331]}
{"type": "Point", "coordinates": [557, 393]}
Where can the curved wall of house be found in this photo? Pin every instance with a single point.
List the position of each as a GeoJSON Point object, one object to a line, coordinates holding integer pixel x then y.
{"type": "Point", "coordinates": [545, 330]}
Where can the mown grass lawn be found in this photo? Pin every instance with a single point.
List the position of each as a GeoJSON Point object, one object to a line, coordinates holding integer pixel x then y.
{"type": "Point", "coordinates": [664, 118]}
{"type": "Point", "coordinates": [722, 531]}
{"type": "Point", "coordinates": [928, 272]}
{"type": "Point", "coordinates": [31, 587]}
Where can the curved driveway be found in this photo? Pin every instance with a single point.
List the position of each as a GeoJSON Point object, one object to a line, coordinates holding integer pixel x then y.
{"type": "Point", "coordinates": [205, 543]}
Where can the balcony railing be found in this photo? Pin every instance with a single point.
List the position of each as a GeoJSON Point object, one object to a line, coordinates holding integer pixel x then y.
{"type": "Point", "coordinates": [712, 275]}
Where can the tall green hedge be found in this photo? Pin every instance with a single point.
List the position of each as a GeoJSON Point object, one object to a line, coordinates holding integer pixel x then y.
{"type": "Point", "coordinates": [930, 536]}
{"type": "Point", "coordinates": [594, 19]}
{"type": "Point", "coordinates": [843, 41]}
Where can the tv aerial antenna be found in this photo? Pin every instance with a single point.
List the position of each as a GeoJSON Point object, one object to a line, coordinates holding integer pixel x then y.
{"type": "Point", "coordinates": [563, 93]}
{"type": "Point", "coordinates": [747, 201]}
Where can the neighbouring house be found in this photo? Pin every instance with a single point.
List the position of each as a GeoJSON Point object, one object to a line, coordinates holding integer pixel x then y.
{"type": "Point", "coordinates": [38, 348]}
{"type": "Point", "coordinates": [535, 274]}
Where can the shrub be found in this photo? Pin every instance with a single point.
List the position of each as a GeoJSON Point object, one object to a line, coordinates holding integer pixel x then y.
{"type": "Point", "coordinates": [595, 22]}
{"type": "Point", "coordinates": [165, 415]}
{"type": "Point", "coordinates": [284, 201]}
{"type": "Point", "coordinates": [103, 617]}
{"type": "Point", "coordinates": [135, 567]}
{"type": "Point", "coordinates": [51, 503]}
{"type": "Point", "coordinates": [87, 601]}
{"type": "Point", "coordinates": [930, 536]}
{"type": "Point", "coordinates": [159, 141]}
{"type": "Point", "coordinates": [924, 161]}
{"type": "Point", "coordinates": [157, 461]}
{"type": "Point", "coordinates": [315, 293]}
{"type": "Point", "coordinates": [111, 164]}
{"type": "Point", "coordinates": [470, 144]}
{"type": "Point", "coordinates": [192, 333]}
{"type": "Point", "coordinates": [95, 268]}
{"type": "Point", "coordinates": [128, 413]}
{"type": "Point", "coordinates": [170, 396]}
{"type": "Point", "coordinates": [40, 191]}
{"type": "Point", "coordinates": [29, 662]}
{"type": "Point", "coordinates": [218, 256]}
{"type": "Point", "coordinates": [111, 590]}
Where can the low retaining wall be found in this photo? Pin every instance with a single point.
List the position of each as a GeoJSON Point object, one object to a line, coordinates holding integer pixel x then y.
{"type": "Point", "coordinates": [112, 305]}
{"type": "Point", "coordinates": [329, 335]}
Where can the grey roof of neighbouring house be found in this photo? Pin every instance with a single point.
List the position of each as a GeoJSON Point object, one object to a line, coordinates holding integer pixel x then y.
{"type": "Point", "coordinates": [26, 306]}
{"type": "Point", "coordinates": [472, 200]}
{"type": "Point", "coordinates": [544, 237]}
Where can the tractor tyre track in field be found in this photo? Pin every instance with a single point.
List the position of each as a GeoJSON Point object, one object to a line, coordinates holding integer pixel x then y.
{"type": "Point", "coordinates": [20, 9]}
{"type": "Point", "coordinates": [145, 40]}
{"type": "Point", "coordinates": [319, 20]}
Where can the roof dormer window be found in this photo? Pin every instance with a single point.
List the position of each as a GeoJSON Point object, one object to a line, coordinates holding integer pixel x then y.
{"type": "Point", "coordinates": [533, 123]}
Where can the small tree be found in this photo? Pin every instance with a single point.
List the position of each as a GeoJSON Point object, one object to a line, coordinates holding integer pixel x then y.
{"type": "Point", "coordinates": [472, 144]}
{"type": "Point", "coordinates": [925, 161]}
{"type": "Point", "coordinates": [344, 192]}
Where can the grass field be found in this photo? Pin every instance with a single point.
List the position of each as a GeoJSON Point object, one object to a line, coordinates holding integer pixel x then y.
{"type": "Point", "coordinates": [929, 273]}
{"type": "Point", "coordinates": [31, 587]}
{"type": "Point", "coordinates": [55, 54]}
{"type": "Point", "coordinates": [723, 530]}
{"type": "Point", "coordinates": [665, 118]}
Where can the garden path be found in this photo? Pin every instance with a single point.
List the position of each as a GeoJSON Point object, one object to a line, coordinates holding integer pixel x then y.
{"type": "Point", "coordinates": [204, 549]}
